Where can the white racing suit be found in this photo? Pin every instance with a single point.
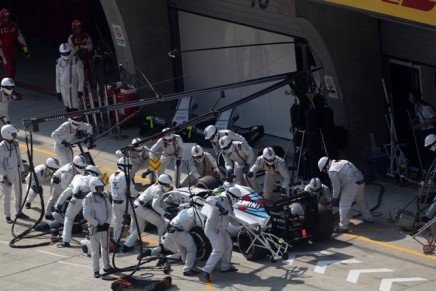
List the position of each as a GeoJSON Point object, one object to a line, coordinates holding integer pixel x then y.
{"type": "Point", "coordinates": [223, 132]}
{"type": "Point", "coordinates": [216, 232]}
{"type": "Point", "coordinates": [206, 167]}
{"type": "Point", "coordinates": [148, 207]}
{"type": "Point", "coordinates": [4, 106]}
{"type": "Point", "coordinates": [171, 152]}
{"type": "Point", "coordinates": [70, 79]}
{"type": "Point", "coordinates": [277, 171]}
{"type": "Point", "coordinates": [140, 160]}
{"type": "Point", "coordinates": [178, 234]}
{"type": "Point", "coordinates": [348, 182]}
{"type": "Point", "coordinates": [77, 190]}
{"type": "Point", "coordinates": [65, 132]}
{"type": "Point", "coordinates": [11, 166]}
{"type": "Point", "coordinates": [97, 211]}
{"type": "Point", "coordinates": [44, 175]}
{"type": "Point", "coordinates": [118, 185]}
{"type": "Point", "coordinates": [59, 182]}
{"type": "Point", "coordinates": [239, 156]}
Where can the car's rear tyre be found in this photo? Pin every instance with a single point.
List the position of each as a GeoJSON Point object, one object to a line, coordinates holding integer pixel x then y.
{"type": "Point", "coordinates": [250, 252]}
{"type": "Point", "coordinates": [204, 248]}
{"type": "Point", "coordinates": [325, 224]}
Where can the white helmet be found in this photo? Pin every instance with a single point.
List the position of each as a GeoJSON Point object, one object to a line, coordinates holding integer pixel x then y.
{"type": "Point", "coordinates": [92, 170]}
{"type": "Point", "coordinates": [324, 164]}
{"type": "Point", "coordinates": [65, 51]}
{"type": "Point", "coordinates": [79, 162]}
{"type": "Point", "coordinates": [137, 148]}
{"type": "Point", "coordinates": [168, 135]}
{"type": "Point", "coordinates": [165, 181]}
{"type": "Point", "coordinates": [315, 185]}
{"type": "Point", "coordinates": [52, 163]}
{"type": "Point", "coordinates": [95, 182]}
{"type": "Point", "coordinates": [7, 131]}
{"type": "Point", "coordinates": [197, 153]}
{"type": "Point", "coordinates": [8, 85]}
{"type": "Point", "coordinates": [74, 122]}
{"type": "Point", "coordinates": [225, 143]}
{"type": "Point", "coordinates": [430, 142]}
{"type": "Point", "coordinates": [269, 155]}
{"type": "Point", "coordinates": [210, 131]}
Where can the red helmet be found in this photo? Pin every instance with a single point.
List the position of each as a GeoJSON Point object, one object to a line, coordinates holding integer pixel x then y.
{"type": "Point", "coordinates": [75, 24]}
{"type": "Point", "coordinates": [4, 13]}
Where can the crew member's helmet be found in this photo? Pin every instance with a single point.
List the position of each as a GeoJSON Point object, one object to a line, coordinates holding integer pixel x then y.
{"type": "Point", "coordinates": [8, 131]}
{"type": "Point", "coordinates": [168, 135]}
{"type": "Point", "coordinates": [225, 143]}
{"type": "Point", "coordinates": [65, 51]}
{"type": "Point", "coordinates": [197, 153]}
{"type": "Point", "coordinates": [7, 85]}
{"type": "Point", "coordinates": [210, 132]}
{"type": "Point", "coordinates": [95, 182]}
{"type": "Point", "coordinates": [269, 155]}
{"type": "Point", "coordinates": [166, 181]}
{"type": "Point", "coordinates": [324, 164]}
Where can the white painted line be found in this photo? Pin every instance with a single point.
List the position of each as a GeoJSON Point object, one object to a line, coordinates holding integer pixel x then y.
{"type": "Point", "coordinates": [4, 242]}
{"type": "Point", "coordinates": [292, 256]}
{"type": "Point", "coordinates": [73, 264]}
{"type": "Point", "coordinates": [353, 275]}
{"type": "Point", "coordinates": [386, 284]}
{"type": "Point", "coordinates": [322, 265]}
{"type": "Point", "coordinates": [51, 254]}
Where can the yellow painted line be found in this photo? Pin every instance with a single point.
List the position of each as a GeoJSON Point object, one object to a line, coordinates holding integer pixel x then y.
{"type": "Point", "coordinates": [391, 246]}
{"type": "Point", "coordinates": [52, 154]}
{"type": "Point", "coordinates": [151, 241]}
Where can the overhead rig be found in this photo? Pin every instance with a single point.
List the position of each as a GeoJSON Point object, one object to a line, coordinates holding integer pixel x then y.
{"type": "Point", "coordinates": [32, 124]}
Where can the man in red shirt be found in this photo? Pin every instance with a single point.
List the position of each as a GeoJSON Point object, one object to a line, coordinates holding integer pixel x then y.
{"type": "Point", "coordinates": [10, 34]}
{"type": "Point", "coordinates": [82, 43]}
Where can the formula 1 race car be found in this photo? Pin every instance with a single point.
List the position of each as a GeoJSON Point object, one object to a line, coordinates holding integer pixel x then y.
{"type": "Point", "coordinates": [262, 230]}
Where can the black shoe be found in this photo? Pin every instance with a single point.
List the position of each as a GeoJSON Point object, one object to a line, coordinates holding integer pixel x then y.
{"type": "Point", "coordinates": [21, 215]}
{"type": "Point", "coordinates": [49, 217]}
{"type": "Point", "coordinates": [161, 262]}
{"type": "Point", "coordinates": [230, 270]}
{"type": "Point", "coordinates": [341, 230]}
{"type": "Point", "coordinates": [127, 249]}
{"type": "Point", "coordinates": [64, 244]}
{"type": "Point", "coordinates": [190, 273]}
{"type": "Point", "coordinates": [110, 270]}
{"type": "Point", "coordinates": [144, 254]}
{"type": "Point", "coordinates": [28, 205]}
{"type": "Point", "coordinates": [207, 277]}
{"type": "Point", "coordinates": [96, 275]}
{"type": "Point", "coordinates": [9, 220]}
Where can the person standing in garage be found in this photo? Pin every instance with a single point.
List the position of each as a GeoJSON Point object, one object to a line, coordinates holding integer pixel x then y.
{"type": "Point", "coordinates": [10, 35]}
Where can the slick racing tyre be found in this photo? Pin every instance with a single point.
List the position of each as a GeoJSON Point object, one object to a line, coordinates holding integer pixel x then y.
{"type": "Point", "coordinates": [325, 224]}
{"type": "Point", "coordinates": [208, 182]}
{"type": "Point", "coordinates": [250, 252]}
{"type": "Point", "coordinates": [204, 248]}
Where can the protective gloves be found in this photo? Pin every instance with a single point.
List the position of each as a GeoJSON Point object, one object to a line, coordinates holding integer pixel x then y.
{"type": "Point", "coordinates": [178, 162]}
{"type": "Point", "coordinates": [283, 191]}
{"type": "Point", "coordinates": [66, 144]}
{"type": "Point", "coordinates": [221, 209]}
{"type": "Point", "coordinates": [246, 168]}
{"type": "Point", "coordinates": [334, 202]}
{"type": "Point", "coordinates": [229, 173]}
{"type": "Point", "coordinates": [80, 94]}
{"type": "Point", "coordinates": [59, 96]}
{"type": "Point", "coordinates": [26, 52]}
{"type": "Point", "coordinates": [250, 175]}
